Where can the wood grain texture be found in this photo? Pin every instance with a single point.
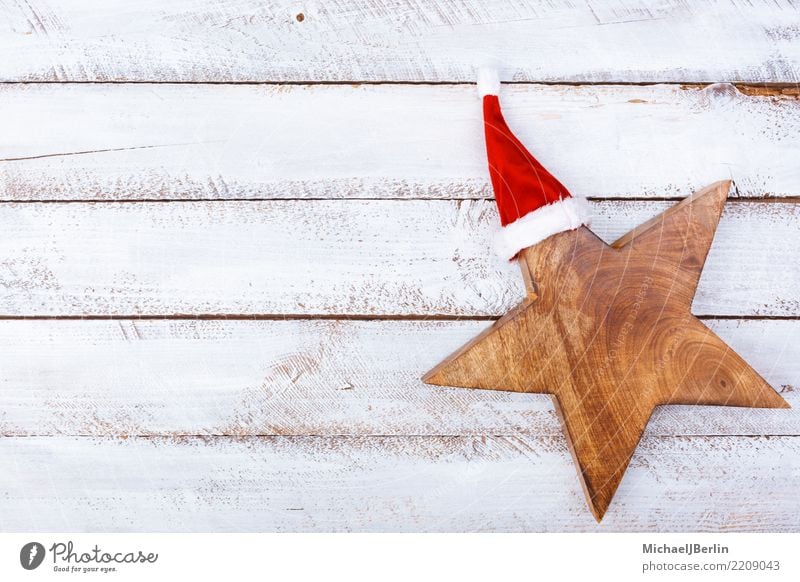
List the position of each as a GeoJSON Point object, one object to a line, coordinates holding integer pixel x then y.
{"type": "Point", "coordinates": [313, 377]}
{"type": "Point", "coordinates": [129, 142]}
{"type": "Point", "coordinates": [381, 258]}
{"type": "Point", "coordinates": [390, 484]}
{"type": "Point", "coordinates": [607, 330]}
{"type": "Point", "coordinates": [208, 40]}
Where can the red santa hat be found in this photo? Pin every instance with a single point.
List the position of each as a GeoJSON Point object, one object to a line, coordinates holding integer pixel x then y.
{"type": "Point", "coordinates": [533, 205]}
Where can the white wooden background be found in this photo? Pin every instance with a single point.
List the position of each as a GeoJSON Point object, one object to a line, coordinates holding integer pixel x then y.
{"type": "Point", "coordinates": [234, 234]}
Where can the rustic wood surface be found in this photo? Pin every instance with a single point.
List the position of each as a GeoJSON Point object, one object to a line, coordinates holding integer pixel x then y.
{"type": "Point", "coordinates": [299, 377]}
{"type": "Point", "coordinates": [381, 258]}
{"type": "Point", "coordinates": [156, 142]}
{"type": "Point", "coordinates": [607, 331]}
{"type": "Point", "coordinates": [409, 483]}
{"type": "Point", "coordinates": [268, 269]}
{"type": "Point", "coordinates": [439, 40]}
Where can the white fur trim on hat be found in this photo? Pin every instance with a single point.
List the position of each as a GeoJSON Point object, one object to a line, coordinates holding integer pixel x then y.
{"type": "Point", "coordinates": [542, 223]}
{"type": "Point", "coordinates": [488, 82]}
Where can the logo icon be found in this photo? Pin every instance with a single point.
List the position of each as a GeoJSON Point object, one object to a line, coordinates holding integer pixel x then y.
{"type": "Point", "coordinates": [31, 555]}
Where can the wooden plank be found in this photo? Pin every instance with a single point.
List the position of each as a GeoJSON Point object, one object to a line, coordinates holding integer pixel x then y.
{"type": "Point", "coordinates": [312, 377]}
{"type": "Point", "coordinates": [205, 40]}
{"type": "Point", "coordinates": [370, 258]}
{"type": "Point", "coordinates": [389, 484]}
{"type": "Point", "coordinates": [129, 142]}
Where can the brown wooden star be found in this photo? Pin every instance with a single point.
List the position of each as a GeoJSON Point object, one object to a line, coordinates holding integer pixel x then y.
{"type": "Point", "coordinates": [608, 331]}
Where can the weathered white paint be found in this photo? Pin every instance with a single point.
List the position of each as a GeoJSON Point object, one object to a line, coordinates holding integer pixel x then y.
{"type": "Point", "coordinates": [390, 484]}
{"type": "Point", "coordinates": [101, 142]}
{"type": "Point", "coordinates": [440, 40]}
{"type": "Point", "coordinates": [113, 378]}
{"type": "Point", "coordinates": [336, 257]}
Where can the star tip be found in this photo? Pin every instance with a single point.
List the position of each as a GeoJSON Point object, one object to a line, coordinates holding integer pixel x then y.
{"type": "Point", "coordinates": [597, 512]}
{"type": "Point", "coordinates": [775, 400]}
{"type": "Point", "coordinates": [598, 504]}
{"type": "Point", "coordinates": [720, 187]}
{"type": "Point", "coordinates": [433, 377]}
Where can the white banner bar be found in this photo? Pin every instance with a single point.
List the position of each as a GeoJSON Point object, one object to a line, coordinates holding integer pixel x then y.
{"type": "Point", "coordinates": [353, 557]}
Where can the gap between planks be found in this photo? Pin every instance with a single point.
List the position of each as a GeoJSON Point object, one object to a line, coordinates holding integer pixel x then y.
{"type": "Point", "coordinates": [328, 317]}
{"type": "Point", "coordinates": [788, 90]}
{"type": "Point", "coordinates": [733, 196]}
{"type": "Point", "coordinates": [209, 437]}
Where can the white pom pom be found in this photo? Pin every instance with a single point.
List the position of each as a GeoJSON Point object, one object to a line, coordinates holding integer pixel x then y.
{"type": "Point", "coordinates": [488, 82]}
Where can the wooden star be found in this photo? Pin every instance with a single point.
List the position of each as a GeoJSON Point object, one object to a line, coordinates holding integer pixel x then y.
{"type": "Point", "coordinates": [608, 331]}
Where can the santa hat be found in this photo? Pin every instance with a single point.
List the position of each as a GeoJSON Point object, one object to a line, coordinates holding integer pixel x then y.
{"type": "Point", "coordinates": [533, 205]}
